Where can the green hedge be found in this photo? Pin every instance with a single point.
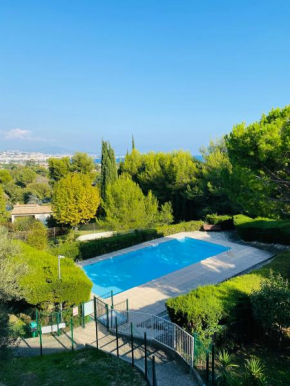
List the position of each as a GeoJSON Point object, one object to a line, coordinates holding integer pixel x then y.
{"type": "Point", "coordinates": [41, 286]}
{"type": "Point", "coordinates": [88, 249]}
{"type": "Point", "coordinates": [225, 221]}
{"type": "Point", "coordinates": [263, 229]}
{"type": "Point", "coordinates": [205, 308]}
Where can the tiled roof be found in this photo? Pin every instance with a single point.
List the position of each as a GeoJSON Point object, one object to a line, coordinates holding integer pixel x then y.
{"type": "Point", "coordinates": [31, 209]}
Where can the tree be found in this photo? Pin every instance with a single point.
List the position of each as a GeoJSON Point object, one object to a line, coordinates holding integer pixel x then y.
{"type": "Point", "coordinates": [40, 189]}
{"type": "Point", "coordinates": [213, 195]}
{"type": "Point", "coordinates": [15, 193]}
{"type": "Point", "coordinates": [75, 200]}
{"type": "Point", "coordinates": [108, 168]}
{"type": "Point", "coordinates": [82, 163]}
{"type": "Point", "coordinates": [133, 143]}
{"type": "Point", "coordinates": [126, 207]}
{"type": "Point", "coordinates": [5, 177]}
{"type": "Point", "coordinates": [170, 176]}
{"type": "Point", "coordinates": [259, 154]}
{"type": "Point", "coordinates": [37, 236]}
{"type": "Point", "coordinates": [3, 212]}
{"type": "Point", "coordinates": [271, 304]}
{"type": "Point", "coordinates": [59, 168]}
{"type": "Point", "coordinates": [24, 176]}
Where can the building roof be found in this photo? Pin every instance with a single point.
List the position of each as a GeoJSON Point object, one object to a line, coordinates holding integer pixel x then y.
{"type": "Point", "coordinates": [30, 209]}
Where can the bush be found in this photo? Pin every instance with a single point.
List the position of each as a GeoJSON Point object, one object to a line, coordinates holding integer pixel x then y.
{"type": "Point", "coordinates": [205, 308]}
{"type": "Point", "coordinates": [271, 305]}
{"type": "Point", "coordinates": [89, 249]}
{"type": "Point", "coordinates": [41, 286]}
{"type": "Point", "coordinates": [264, 230]}
{"type": "Point", "coordinates": [225, 221]}
{"type": "Point", "coordinates": [37, 236]}
{"type": "Point", "coordinates": [71, 250]}
{"type": "Point", "coordinates": [185, 226]}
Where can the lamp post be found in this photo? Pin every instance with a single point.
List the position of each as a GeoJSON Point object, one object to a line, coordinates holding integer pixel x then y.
{"type": "Point", "coordinates": [59, 277]}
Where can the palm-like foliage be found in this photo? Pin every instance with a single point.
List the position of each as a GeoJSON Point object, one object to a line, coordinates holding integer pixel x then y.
{"type": "Point", "coordinates": [225, 368]}
{"type": "Point", "coordinates": [254, 374]}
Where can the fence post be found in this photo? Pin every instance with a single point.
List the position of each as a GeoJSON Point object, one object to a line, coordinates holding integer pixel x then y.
{"type": "Point", "coordinates": [72, 333]}
{"type": "Point", "coordinates": [212, 364]}
{"type": "Point", "coordinates": [132, 344]}
{"type": "Point", "coordinates": [117, 340]}
{"type": "Point", "coordinates": [127, 309]}
{"type": "Point", "coordinates": [107, 312]}
{"type": "Point", "coordinates": [96, 321]}
{"type": "Point", "coordinates": [57, 323]}
{"type": "Point", "coordinates": [194, 346]}
{"type": "Point", "coordinates": [83, 315]}
{"type": "Point", "coordinates": [112, 299]}
{"type": "Point", "coordinates": [40, 339]}
{"type": "Point", "coordinates": [145, 349]}
{"type": "Point", "coordinates": [207, 367]}
{"type": "Point", "coordinates": [111, 317]}
{"type": "Point", "coordinates": [153, 370]}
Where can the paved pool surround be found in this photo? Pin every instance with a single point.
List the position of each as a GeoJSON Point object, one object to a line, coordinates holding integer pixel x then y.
{"type": "Point", "coordinates": [150, 297]}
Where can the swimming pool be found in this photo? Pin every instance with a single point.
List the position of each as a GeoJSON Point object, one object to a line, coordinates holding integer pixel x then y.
{"type": "Point", "coordinates": [131, 269]}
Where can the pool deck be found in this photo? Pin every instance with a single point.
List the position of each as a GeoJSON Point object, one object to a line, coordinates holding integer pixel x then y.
{"type": "Point", "coordinates": [150, 297]}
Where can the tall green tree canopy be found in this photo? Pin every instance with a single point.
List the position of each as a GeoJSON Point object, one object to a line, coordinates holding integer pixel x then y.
{"type": "Point", "coordinates": [82, 163]}
{"type": "Point", "coordinates": [3, 212]}
{"type": "Point", "coordinates": [5, 177]}
{"type": "Point", "coordinates": [259, 154]}
{"type": "Point", "coordinates": [75, 200]}
{"type": "Point", "coordinates": [170, 176]}
{"type": "Point", "coordinates": [127, 207]}
{"type": "Point", "coordinates": [58, 167]}
{"type": "Point", "coordinates": [108, 168]}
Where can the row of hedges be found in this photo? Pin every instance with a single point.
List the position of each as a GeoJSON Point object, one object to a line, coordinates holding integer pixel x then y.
{"type": "Point", "coordinates": [206, 308]}
{"type": "Point", "coordinates": [225, 221]}
{"type": "Point", "coordinates": [40, 285]}
{"type": "Point", "coordinates": [89, 249]}
{"type": "Point", "coordinates": [263, 229]}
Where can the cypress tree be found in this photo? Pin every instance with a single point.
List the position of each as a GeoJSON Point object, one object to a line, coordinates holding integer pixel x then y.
{"type": "Point", "coordinates": [133, 143]}
{"type": "Point", "coordinates": [108, 167]}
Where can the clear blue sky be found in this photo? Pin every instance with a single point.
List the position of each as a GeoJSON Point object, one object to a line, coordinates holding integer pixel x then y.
{"type": "Point", "coordinates": [173, 73]}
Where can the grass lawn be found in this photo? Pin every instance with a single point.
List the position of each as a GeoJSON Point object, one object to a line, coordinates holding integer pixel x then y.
{"type": "Point", "coordinates": [82, 367]}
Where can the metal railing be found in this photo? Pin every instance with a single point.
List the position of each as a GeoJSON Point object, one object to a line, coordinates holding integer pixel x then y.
{"type": "Point", "coordinates": [157, 329]}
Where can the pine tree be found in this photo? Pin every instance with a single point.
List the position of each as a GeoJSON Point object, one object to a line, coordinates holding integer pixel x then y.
{"type": "Point", "coordinates": [108, 168]}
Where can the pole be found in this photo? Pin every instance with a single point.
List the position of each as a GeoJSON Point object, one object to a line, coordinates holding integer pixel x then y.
{"type": "Point", "coordinates": [83, 314]}
{"type": "Point", "coordinates": [57, 322]}
{"type": "Point", "coordinates": [207, 367]}
{"type": "Point", "coordinates": [153, 370]}
{"type": "Point", "coordinates": [107, 312]}
{"type": "Point", "coordinates": [145, 349]}
{"type": "Point", "coordinates": [117, 340]}
{"type": "Point", "coordinates": [40, 339]}
{"type": "Point", "coordinates": [112, 299]}
{"type": "Point", "coordinates": [72, 333]}
{"type": "Point", "coordinates": [212, 364]}
{"type": "Point", "coordinates": [132, 344]}
{"type": "Point", "coordinates": [96, 321]}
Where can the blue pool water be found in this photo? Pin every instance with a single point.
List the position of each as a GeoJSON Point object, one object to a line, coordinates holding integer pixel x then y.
{"type": "Point", "coordinates": [126, 271]}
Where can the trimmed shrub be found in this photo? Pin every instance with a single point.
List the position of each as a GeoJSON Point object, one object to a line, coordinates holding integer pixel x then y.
{"type": "Point", "coordinates": [88, 249]}
{"type": "Point", "coordinates": [205, 308]}
{"type": "Point", "coordinates": [71, 250]}
{"type": "Point", "coordinates": [99, 247]}
{"type": "Point", "coordinates": [37, 236]}
{"type": "Point", "coordinates": [41, 286]}
{"type": "Point", "coordinates": [185, 226]}
{"type": "Point", "coordinates": [264, 230]}
{"type": "Point", "coordinates": [225, 221]}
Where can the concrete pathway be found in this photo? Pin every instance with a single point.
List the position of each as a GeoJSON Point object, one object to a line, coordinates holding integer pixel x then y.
{"type": "Point", "coordinates": [150, 297]}
{"type": "Point", "coordinates": [169, 371]}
